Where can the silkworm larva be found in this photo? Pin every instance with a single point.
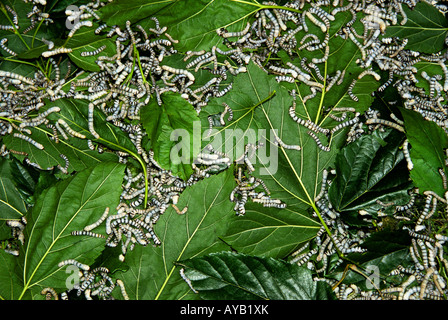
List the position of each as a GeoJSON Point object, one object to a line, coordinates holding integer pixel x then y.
{"type": "Point", "coordinates": [28, 139]}
{"type": "Point", "coordinates": [386, 123]}
{"type": "Point", "coordinates": [99, 221]}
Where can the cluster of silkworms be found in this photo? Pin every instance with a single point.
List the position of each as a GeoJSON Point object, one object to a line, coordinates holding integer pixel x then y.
{"type": "Point", "coordinates": [249, 188]}
{"type": "Point", "coordinates": [422, 277]}
{"type": "Point", "coordinates": [124, 85]}
{"type": "Point", "coordinates": [93, 283]}
{"type": "Point", "coordinates": [17, 239]}
{"type": "Point", "coordinates": [275, 30]}
{"type": "Point", "coordinates": [322, 253]}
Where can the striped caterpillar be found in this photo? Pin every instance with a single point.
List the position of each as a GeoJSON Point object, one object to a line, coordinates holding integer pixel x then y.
{"type": "Point", "coordinates": [86, 233]}
{"type": "Point", "coordinates": [386, 123]}
{"type": "Point", "coordinates": [99, 221]}
{"type": "Point", "coordinates": [319, 143]}
{"type": "Point", "coordinates": [39, 119]}
{"type": "Point", "coordinates": [75, 263]}
{"type": "Point", "coordinates": [28, 139]}
{"type": "Point", "coordinates": [70, 131]}
{"type": "Point", "coordinates": [406, 155]}
{"type": "Point", "coordinates": [286, 146]}
{"type": "Point", "coordinates": [227, 109]}
{"type": "Point", "coordinates": [92, 53]}
{"type": "Point", "coordinates": [306, 123]}
{"type": "Point", "coordinates": [86, 23]}
{"type": "Point", "coordinates": [47, 54]}
{"type": "Point", "coordinates": [4, 47]}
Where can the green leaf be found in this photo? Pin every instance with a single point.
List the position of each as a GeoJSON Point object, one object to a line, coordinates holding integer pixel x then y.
{"type": "Point", "coordinates": [118, 12]}
{"type": "Point", "coordinates": [261, 112]}
{"type": "Point", "coordinates": [67, 206]}
{"type": "Point", "coordinates": [193, 23]}
{"type": "Point", "coordinates": [269, 231]}
{"type": "Point", "coordinates": [428, 142]}
{"type": "Point", "coordinates": [367, 170]}
{"type": "Point", "coordinates": [231, 276]}
{"type": "Point", "coordinates": [152, 273]}
{"type": "Point", "coordinates": [11, 284]}
{"type": "Point", "coordinates": [12, 205]}
{"type": "Point", "coordinates": [75, 114]}
{"type": "Point", "coordinates": [425, 29]}
{"type": "Point", "coordinates": [174, 120]}
{"type": "Point", "coordinates": [85, 39]}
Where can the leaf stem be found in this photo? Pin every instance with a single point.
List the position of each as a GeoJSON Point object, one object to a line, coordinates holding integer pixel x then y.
{"type": "Point", "coordinates": [319, 110]}
{"type": "Point", "coordinates": [262, 6]}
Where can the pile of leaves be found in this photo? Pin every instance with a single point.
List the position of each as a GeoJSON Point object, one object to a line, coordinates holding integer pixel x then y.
{"type": "Point", "coordinates": [223, 149]}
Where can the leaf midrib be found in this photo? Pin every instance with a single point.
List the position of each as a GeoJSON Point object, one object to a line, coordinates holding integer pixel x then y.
{"type": "Point", "coordinates": [48, 250]}
{"type": "Point", "coordinates": [217, 193]}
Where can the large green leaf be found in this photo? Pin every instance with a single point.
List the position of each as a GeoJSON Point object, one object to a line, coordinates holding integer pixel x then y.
{"type": "Point", "coordinates": [425, 29]}
{"type": "Point", "coordinates": [152, 273]}
{"type": "Point", "coordinates": [368, 170]}
{"type": "Point", "coordinates": [428, 142]}
{"type": "Point", "coordinates": [12, 205]}
{"type": "Point", "coordinates": [260, 106]}
{"type": "Point", "coordinates": [269, 231]}
{"type": "Point", "coordinates": [193, 23]}
{"type": "Point", "coordinates": [118, 12]}
{"type": "Point", "coordinates": [174, 120]}
{"type": "Point", "coordinates": [75, 114]}
{"type": "Point", "coordinates": [231, 276]}
{"type": "Point", "coordinates": [67, 206]}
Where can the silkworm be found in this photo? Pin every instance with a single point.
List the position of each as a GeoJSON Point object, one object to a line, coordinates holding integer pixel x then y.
{"type": "Point", "coordinates": [75, 263]}
{"type": "Point", "coordinates": [319, 143]}
{"type": "Point", "coordinates": [28, 139]}
{"type": "Point", "coordinates": [70, 131]}
{"type": "Point", "coordinates": [324, 58]}
{"type": "Point", "coordinates": [235, 34]}
{"type": "Point", "coordinates": [444, 180]}
{"type": "Point", "coordinates": [123, 289]}
{"type": "Point", "coordinates": [406, 155]}
{"type": "Point", "coordinates": [49, 293]}
{"type": "Point", "coordinates": [93, 53]}
{"type": "Point", "coordinates": [184, 277]}
{"type": "Point", "coordinates": [306, 123]}
{"type": "Point", "coordinates": [86, 233]}
{"type": "Point", "coordinates": [425, 212]}
{"type": "Point", "coordinates": [188, 74]}
{"type": "Point", "coordinates": [350, 90]}
{"type": "Point", "coordinates": [333, 81]}
{"type": "Point", "coordinates": [286, 146]}
{"type": "Point", "coordinates": [386, 123]}
{"type": "Point", "coordinates": [99, 221]}
{"type": "Point", "coordinates": [345, 124]}
{"type": "Point", "coordinates": [90, 120]}
{"type": "Point", "coordinates": [227, 109]}
{"type": "Point", "coordinates": [4, 47]}
{"type": "Point", "coordinates": [317, 22]}
{"type": "Point", "coordinates": [183, 211]}
{"type": "Point", "coordinates": [86, 23]}
{"type": "Point", "coordinates": [47, 54]}
{"type": "Point", "coordinates": [39, 119]}
{"type": "Point", "coordinates": [369, 72]}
